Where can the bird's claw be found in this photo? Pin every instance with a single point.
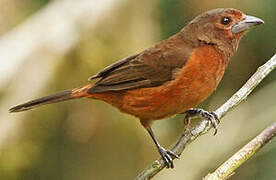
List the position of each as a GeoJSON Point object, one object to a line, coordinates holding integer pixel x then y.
{"type": "Point", "coordinates": [168, 156]}
{"type": "Point", "coordinates": [211, 116]}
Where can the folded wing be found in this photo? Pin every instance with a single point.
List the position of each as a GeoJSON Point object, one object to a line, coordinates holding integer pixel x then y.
{"type": "Point", "coordinates": [150, 68]}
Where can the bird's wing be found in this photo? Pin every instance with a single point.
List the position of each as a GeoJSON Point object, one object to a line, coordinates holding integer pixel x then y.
{"type": "Point", "coordinates": [152, 67]}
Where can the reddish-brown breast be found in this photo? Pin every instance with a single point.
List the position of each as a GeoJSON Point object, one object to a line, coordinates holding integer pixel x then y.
{"type": "Point", "coordinates": [191, 85]}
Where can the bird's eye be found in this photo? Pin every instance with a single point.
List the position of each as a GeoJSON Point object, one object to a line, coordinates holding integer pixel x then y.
{"type": "Point", "coordinates": [225, 20]}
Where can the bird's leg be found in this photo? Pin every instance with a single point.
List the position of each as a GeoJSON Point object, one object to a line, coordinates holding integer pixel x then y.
{"type": "Point", "coordinates": [167, 155]}
{"type": "Point", "coordinates": [211, 116]}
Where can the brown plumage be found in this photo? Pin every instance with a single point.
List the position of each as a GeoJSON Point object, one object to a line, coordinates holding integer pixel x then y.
{"type": "Point", "coordinates": [170, 77]}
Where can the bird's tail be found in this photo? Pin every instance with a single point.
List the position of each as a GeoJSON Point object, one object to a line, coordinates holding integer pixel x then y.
{"type": "Point", "coordinates": [57, 97]}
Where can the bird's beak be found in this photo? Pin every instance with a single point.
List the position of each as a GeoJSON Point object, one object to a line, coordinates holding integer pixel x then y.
{"type": "Point", "coordinates": [246, 23]}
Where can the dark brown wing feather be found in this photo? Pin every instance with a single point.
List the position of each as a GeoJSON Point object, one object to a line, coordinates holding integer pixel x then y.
{"type": "Point", "coordinates": [110, 68]}
{"type": "Point", "coordinates": [152, 67]}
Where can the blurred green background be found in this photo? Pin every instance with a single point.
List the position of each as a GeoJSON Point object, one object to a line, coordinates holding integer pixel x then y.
{"type": "Point", "coordinates": [87, 139]}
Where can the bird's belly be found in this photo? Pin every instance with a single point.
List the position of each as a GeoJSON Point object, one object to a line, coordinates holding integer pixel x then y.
{"type": "Point", "coordinates": [191, 85]}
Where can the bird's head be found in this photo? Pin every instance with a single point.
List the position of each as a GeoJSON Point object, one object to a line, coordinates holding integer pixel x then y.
{"type": "Point", "coordinates": [223, 27]}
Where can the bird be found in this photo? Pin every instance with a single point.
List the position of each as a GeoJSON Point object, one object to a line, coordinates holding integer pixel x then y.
{"type": "Point", "coordinates": [169, 78]}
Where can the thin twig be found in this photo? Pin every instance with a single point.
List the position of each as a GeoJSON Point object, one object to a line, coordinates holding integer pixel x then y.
{"type": "Point", "coordinates": [228, 167]}
{"type": "Point", "coordinates": [204, 126]}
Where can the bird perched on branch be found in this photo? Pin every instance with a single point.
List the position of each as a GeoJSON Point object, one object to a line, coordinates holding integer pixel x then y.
{"type": "Point", "coordinates": [169, 78]}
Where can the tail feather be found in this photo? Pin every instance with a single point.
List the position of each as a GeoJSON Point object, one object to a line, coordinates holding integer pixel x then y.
{"type": "Point", "coordinates": [61, 96]}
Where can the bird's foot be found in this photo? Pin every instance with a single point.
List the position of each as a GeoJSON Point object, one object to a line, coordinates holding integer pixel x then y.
{"type": "Point", "coordinates": [211, 116]}
{"type": "Point", "coordinates": [167, 156]}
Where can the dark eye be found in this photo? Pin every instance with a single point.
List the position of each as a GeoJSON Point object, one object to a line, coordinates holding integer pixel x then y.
{"type": "Point", "coordinates": [225, 20]}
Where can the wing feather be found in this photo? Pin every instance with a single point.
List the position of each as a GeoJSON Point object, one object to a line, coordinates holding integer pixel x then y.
{"type": "Point", "coordinates": [150, 68]}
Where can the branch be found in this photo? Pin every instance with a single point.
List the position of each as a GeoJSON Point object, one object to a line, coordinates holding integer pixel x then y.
{"type": "Point", "coordinates": [228, 167]}
{"type": "Point", "coordinates": [204, 126]}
